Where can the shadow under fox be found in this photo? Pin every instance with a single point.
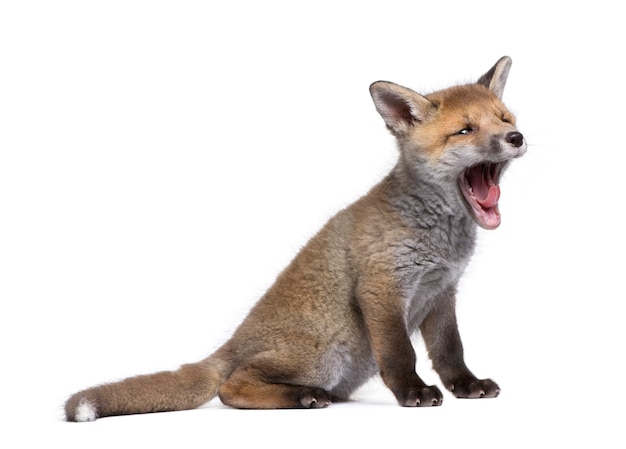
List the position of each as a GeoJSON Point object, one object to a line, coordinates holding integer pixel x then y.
{"type": "Point", "coordinates": [380, 270]}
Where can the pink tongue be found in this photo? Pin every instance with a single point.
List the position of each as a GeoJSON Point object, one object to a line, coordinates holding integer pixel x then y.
{"type": "Point", "coordinates": [491, 199]}
{"type": "Point", "coordinates": [486, 195]}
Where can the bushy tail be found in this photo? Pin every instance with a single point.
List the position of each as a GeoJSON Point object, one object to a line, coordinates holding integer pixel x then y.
{"type": "Point", "coordinates": [188, 387]}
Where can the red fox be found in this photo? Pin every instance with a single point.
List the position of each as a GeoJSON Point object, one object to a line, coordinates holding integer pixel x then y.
{"type": "Point", "coordinates": [380, 270]}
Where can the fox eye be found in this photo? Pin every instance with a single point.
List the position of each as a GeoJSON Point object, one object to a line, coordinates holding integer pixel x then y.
{"type": "Point", "coordinates": [465, 131]}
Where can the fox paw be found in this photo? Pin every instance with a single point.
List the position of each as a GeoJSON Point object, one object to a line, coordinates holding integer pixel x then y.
{"type": "Point", "coordinates": [475, 388]}
{"type": "Point", "coordinates": [314, 398]}
{"type": "Point", "coordinates": [422, 397]}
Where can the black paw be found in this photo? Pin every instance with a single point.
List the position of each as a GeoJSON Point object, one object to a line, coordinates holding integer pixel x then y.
{"type": "Point", "coordinates": [314, 398]}
{"type": "Point", "coordinates": [422, 397]}
{"type": "Point", "coordinates": [475, 388]}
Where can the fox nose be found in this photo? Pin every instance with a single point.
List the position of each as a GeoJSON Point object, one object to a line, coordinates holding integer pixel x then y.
{"type": "Point", "coordinates": [515, 138]}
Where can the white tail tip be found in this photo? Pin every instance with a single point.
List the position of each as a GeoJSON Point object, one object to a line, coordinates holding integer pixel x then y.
{"type": "Point", "coordinates": [85, 411]}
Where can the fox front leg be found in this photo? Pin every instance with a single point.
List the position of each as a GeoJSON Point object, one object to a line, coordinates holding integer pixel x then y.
{"type": "Point", "coordinates": [440, 332]}
{"type": "Point", "coordinates": [392, 349]}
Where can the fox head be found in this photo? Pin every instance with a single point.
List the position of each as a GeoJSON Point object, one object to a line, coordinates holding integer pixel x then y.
{"type": "Point", "coordinates": [460, 139]}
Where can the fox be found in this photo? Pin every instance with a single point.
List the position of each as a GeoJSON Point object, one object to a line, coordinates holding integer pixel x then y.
{"type": "Point", "coordinates": [381, 270]}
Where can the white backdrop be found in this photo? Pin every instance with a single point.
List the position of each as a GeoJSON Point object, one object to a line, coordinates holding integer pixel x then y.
{"type": "Point", "coordinates": [161, 162]}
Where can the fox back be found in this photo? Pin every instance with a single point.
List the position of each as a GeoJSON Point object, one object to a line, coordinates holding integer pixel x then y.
{"type": "Point", "coordinates": [380, 270]}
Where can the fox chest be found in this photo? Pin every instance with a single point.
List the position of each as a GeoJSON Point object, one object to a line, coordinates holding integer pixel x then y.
{"type": "Point", "coordinates": [425, 270]}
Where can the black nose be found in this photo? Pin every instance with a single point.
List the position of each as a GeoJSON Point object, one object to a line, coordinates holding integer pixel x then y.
{"type": "Point", "coordinates": [515, 138]}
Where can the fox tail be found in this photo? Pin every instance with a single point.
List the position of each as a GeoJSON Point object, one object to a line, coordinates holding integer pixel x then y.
{"type": "Point", "coordinates": [188, 387]}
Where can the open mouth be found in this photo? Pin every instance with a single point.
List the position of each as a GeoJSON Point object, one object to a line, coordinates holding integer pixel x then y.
{"type": "Point", "coordinates": [480, 186]}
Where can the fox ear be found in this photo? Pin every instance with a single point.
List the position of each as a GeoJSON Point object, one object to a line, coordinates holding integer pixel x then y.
{"type": "Point", "coordinates": [495, 78]}
{"type": "Point", "coordinates": [399, 106]}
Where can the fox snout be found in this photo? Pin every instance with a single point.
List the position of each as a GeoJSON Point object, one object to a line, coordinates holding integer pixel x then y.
{"type": "Point", "coordinates": [480, 183]}
{"type": "Point", "coordinates": [516, 140]}
{"type": "Point", "coordinates": [499, 148]}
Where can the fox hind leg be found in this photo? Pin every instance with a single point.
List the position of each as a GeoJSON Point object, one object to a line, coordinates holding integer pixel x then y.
{"type": "Point", "coordinates": [250, 388]}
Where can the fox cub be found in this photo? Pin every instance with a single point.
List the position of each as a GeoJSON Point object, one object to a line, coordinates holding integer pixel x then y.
{"type": "Point", "coordinates": [385, 267]}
